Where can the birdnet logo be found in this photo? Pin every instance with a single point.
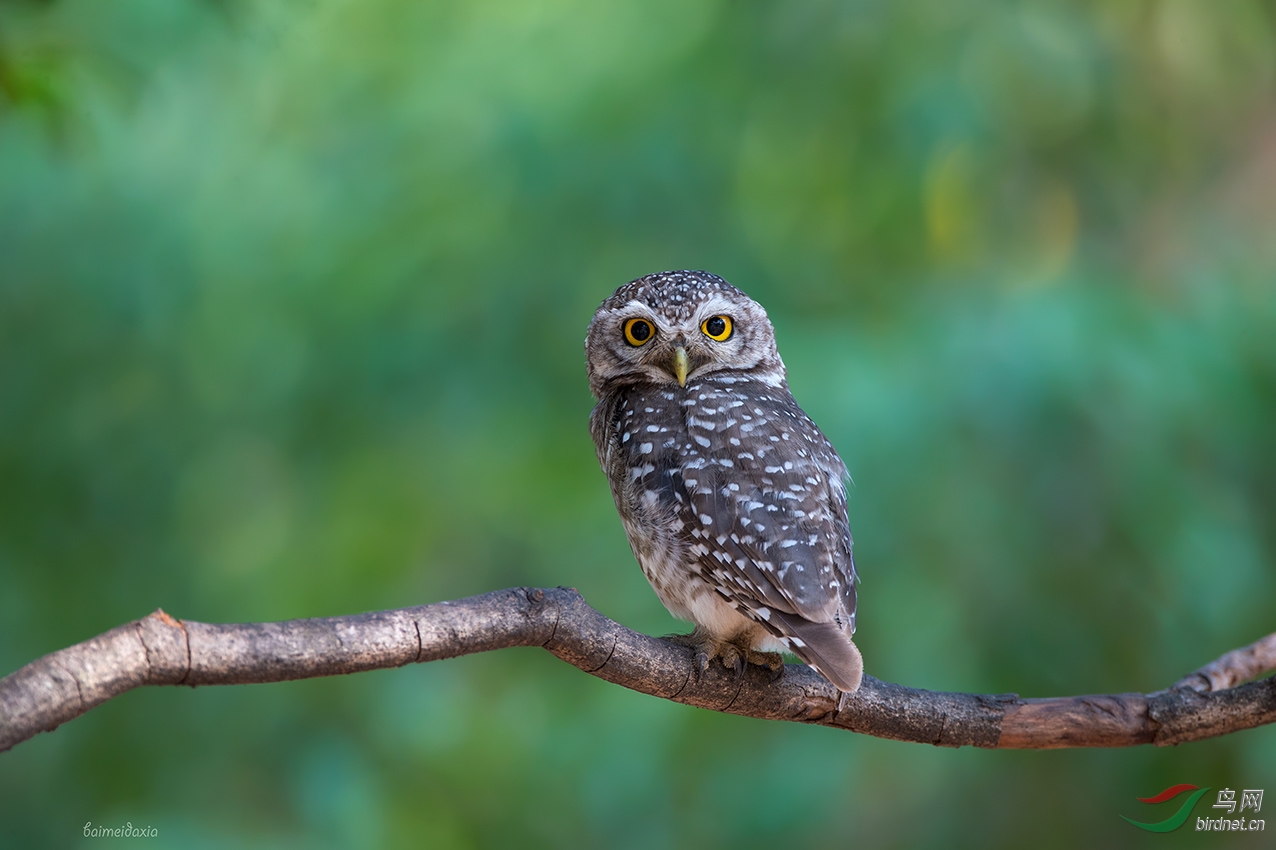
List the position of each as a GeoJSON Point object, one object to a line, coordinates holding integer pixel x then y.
{"type": "Point", "coordinates": [1251, 800]}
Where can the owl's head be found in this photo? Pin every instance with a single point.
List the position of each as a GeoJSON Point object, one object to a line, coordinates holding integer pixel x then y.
{"type": "Point", "coordinates": [675, 327]}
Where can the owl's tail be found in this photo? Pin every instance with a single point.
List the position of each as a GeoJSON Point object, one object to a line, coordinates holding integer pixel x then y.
{"type": "Point", "coordinates": [828, 648]}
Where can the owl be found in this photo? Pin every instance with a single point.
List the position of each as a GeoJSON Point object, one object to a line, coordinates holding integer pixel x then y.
{"type": "Point", "coordinates": [734, 503]}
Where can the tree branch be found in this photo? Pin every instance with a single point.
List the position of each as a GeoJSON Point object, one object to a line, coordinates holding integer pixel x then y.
{"type": "Point", "coordinates": [1239, 665]}
{"type": "Point", "coordinates": [160, 650]}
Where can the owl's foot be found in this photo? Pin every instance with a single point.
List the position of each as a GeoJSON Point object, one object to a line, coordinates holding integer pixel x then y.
{"type": "Point", "coordinates": [773, 661]}
{"type": "Point", "coordinates": [735, 655]}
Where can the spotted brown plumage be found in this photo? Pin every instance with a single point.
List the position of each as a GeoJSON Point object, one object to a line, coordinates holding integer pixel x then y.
{"type": "Point", "coordinates": [732, 499]}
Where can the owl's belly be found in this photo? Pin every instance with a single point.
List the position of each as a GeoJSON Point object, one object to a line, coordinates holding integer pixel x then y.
{"type": "Point", "coordinates": [689, 597]}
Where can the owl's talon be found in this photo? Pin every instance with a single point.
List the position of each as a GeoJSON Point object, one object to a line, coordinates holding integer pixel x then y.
{"type": "Point", "coordinates": [734, 657]}
{"type": "Point", "coordinates": [705, 648]}
{"type": "Point", "coordinates": [702, 662]}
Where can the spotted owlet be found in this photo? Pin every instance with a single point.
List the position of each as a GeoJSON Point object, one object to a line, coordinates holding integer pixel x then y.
{"type": "Point", "coordinates": [733, 501]}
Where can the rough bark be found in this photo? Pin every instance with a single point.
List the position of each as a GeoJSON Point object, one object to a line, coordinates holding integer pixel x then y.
{"type": "Point", "coordinates": [160, 650]}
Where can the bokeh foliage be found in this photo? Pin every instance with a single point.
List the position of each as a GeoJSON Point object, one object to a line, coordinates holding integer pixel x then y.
{"type": "Point", "coordinates": [292, 297]}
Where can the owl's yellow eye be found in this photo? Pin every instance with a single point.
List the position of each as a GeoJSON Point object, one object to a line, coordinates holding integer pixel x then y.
{"type": "Point", "coordinates": [638, 331]}
{"type": "Point", "coordinates": [717, 327]}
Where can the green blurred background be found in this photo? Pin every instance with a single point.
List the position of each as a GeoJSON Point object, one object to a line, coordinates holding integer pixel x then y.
{"type": "Point", "coordinates": [292, 297]}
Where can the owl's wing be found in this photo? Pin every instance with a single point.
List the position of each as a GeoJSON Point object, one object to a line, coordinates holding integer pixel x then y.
{"type": "Point", "coordinates": [766, 521]}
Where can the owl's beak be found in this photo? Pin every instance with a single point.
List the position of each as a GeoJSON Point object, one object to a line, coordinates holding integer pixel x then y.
{"type": "Point", "coordinates": [680, 365]}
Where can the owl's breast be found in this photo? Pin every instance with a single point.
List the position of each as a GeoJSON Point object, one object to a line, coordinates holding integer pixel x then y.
{"type": "Point", "coordinates": [642, 434]}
